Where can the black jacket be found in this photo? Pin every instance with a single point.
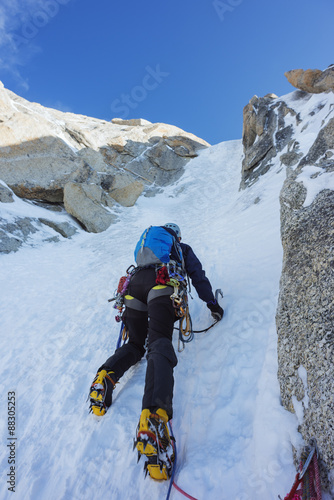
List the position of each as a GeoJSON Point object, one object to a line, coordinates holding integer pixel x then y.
{"type": "Point", "coordinates": [193, 268]}
{"type": "Point", "coordinates": [197, 274]}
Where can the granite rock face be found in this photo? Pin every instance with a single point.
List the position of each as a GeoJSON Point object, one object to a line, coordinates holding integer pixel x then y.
{"type": "Point", "coordinates": [90, 205]}
{"type": "Point", "coordinates": [305, 315]}
{"type": "Point", "coordinates": [297, 133]}
{"type": "Point", "coordinates": [42, 150]}
{"type": "Point", "coordinates": [265, 134]}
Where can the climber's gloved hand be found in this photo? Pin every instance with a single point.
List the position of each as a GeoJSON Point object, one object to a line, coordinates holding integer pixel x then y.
{"type": "Point", "coordinates": [217, 312]}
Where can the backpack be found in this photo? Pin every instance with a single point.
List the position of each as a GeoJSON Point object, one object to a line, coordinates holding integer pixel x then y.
{"type": "Point", "coordinates": [157, 246]}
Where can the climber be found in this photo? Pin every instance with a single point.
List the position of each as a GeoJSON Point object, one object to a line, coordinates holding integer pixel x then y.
{"type": "Point", "coordinates": [149, 316]}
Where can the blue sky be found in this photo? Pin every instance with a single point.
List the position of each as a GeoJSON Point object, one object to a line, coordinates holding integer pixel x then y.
{"type": "Point", "coordinates": [191, 63]}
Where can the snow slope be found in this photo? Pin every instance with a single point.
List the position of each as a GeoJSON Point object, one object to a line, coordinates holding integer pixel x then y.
{"type": "Point", "coordinates": [233, 436]}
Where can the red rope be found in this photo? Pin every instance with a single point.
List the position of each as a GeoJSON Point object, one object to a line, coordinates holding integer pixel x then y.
{"type": "Point", "coordinates": [174, 483]}
{"type": "Point", "coordinates": [310, 483]}
{"type": "Point", "coordinates": [292, 495]}
{"type": "Point", "coordinates": [317, 476]}
{"type": "Point", "coordinates": [183, 492]}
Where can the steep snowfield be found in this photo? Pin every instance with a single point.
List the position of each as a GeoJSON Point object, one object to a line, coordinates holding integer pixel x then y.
{"type": "Point", "coordinates": [233, 436]}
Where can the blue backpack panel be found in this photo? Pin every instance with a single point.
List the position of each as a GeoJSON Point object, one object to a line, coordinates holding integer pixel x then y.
{"type": "Point", "coordinates": [155, 246]}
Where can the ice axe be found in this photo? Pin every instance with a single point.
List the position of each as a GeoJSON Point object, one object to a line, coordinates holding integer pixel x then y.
{"type": "Point", "coordinates": [218, 292]}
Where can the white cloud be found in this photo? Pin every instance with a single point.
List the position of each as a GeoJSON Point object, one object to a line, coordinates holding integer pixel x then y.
{"type": "Point", "coordinates": [20, 23]}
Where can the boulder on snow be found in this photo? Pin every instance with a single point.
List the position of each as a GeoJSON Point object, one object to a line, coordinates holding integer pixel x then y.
{"type": "Point", "coordinates": [313, 81]}
{"type": "Point", "coordinates": [66, 229]}
{"type": "Point", "coordinates": [90, 205]}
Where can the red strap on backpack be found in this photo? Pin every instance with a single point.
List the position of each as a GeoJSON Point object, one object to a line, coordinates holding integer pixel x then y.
{"type": "Point", "coordinates": [162, 276]}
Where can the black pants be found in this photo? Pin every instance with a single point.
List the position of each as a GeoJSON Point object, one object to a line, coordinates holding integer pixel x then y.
{"type": "Point", "coordinates": [156, 325]}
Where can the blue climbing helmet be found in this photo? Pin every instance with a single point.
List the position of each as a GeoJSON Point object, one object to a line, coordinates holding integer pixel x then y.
{"type": "Point", "coordinates": [174, 227]}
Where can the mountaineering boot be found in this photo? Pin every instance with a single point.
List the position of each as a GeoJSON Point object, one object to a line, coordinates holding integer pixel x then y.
{"type": "Point", "coordinates": [154, 441]}
{"type": "Point", "coordinates": [100, 393]}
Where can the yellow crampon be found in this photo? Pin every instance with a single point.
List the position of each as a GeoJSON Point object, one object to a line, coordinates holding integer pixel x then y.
{"type": "Point", "coordinates": [154, 441]}
{"type": "Point", "coordinates": [97, 393]}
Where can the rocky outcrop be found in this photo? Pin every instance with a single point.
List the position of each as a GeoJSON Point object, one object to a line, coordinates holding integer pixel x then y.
{"type": "Point", "coordinates": [43, 150]}
{"type": "Point", "coordinates": [265, 134]}
{"type": "Point", "coordinates": [321, 151]}
{"type": "Point", "coordinates": [65, 229]}
{"type": "Point", "coordinates": [313, 81]}
{"type": "Point", "coordinates": [31, 231]}
{"type": "Point", "coordinates": [269, 126]}
{"type": "Point", "coordinates": [45, 223]}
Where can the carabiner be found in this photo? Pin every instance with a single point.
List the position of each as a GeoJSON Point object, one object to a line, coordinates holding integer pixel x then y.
{"type": "Point", "coordinates": [313, 448]}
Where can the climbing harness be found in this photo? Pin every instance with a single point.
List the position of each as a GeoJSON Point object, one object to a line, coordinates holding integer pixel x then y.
{"type": "Point", "coordinates": [172, 482]}
{"type": "Point", "coordinates": [308, 477]}
{"type": "Point", "coordinates": [166, 276]}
